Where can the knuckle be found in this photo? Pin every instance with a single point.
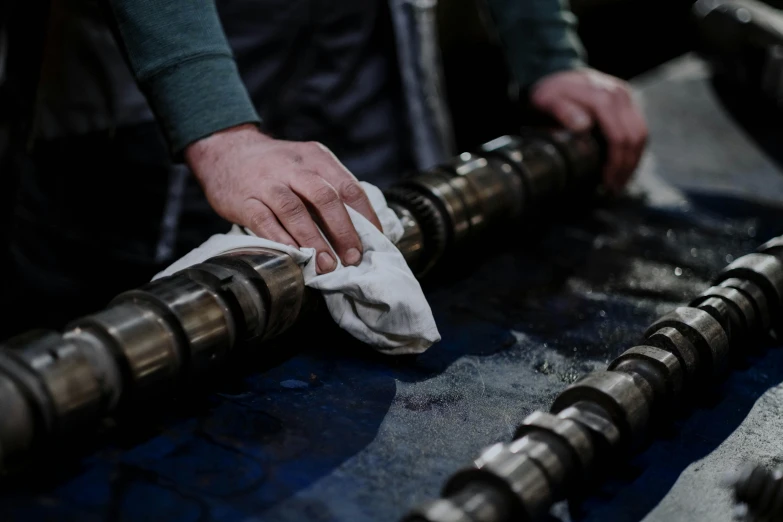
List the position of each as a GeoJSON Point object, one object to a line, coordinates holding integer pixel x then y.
{"type": "Point", "coordinates": [314, 146]}
{"type": "Point", "coordinates": [260, 221]}
{"type": "Point", "coordinates": [351, 192]}
{"type": "Point", "coordinates": [289, 205]}
{"type": "Point", "coordinates": [325, 196]}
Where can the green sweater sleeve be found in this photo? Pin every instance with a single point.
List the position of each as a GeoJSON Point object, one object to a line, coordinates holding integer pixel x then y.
{"type": "Point", "coordinates": [539, 37]}
{"type": "Point", "coordinates": [183, 63]}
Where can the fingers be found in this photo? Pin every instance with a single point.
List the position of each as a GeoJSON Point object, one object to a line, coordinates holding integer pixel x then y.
{"type": "Point", "coordinates": [295, 218]}
{"type": "Point", "coordinates": [624, 129]}
{"type": "Point", "coordinates": [325, 202]}
{"type": "Point", "coordinates": [637, 128]}
{"type": "Point", "coordinates": [263, 223]}
{"type": "Point", "coordinates": [348, 188]}
{"type": "Point", "coordinates": [569, 113]}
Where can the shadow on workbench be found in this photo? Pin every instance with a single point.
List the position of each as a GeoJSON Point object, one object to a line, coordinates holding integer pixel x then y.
{"type": "Point", "coordinates": [303, 436]}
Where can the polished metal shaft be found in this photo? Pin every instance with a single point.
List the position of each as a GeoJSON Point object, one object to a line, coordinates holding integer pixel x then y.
{"type": "Point", "coordinates": [179, 328]}
{"type": "Point", "coordinates": [603, 417]}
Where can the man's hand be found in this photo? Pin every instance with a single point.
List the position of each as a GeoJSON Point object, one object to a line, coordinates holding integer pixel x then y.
{"type": "Point", "coordinates": [276, 188]}
{"type": "Point", "coordinates": [581, 98]}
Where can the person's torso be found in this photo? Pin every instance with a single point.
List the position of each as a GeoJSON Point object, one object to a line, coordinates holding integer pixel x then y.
{"type": "Point", "coordinates": [321, 70]}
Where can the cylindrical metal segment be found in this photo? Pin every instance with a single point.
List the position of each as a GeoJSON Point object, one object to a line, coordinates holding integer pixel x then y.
{"type": "Point", "coordinates": [197, 313]}
{"type": "Point", "coordinates": [755, 295]}
{"type": "Point", "coordinates": [73, 388]}
{"type": "Point", "coordinates": [560, 471]}
{"type": "Point", "coordinates": [747, 320]}
{"type": "Point", "coordinates": [437, 184]}
{"type": "Point", "coordinates": [603, 431]}
{"type": "Point", "coordinates": [773, 247]}
{"type": "Point", "coordinates": [282, 281]}
{"type": "Point", "coordinates": [573, 436]}
{"type": "Point", "coordinates": [18, 426]}
{"type": "Point", "coordinates": [704, 332]}
{"type": "Point", "coordinates": [619, 394]}
{"type": "Point", "coordinates": [766, 271]}
{"type": "Point", "coordinates": [411, 244]}
{"type": "Point", "coordinates": [240, 293]}
{"type": "Point", "coordinates": [545, 170]}
{"type": "Point", "coordinates": [671, 340]}
{"type": "Point", "coordinates": [583, 155]}
{"type": "Point", "coordinates": [438, 510]}
{"type": "Point", "coordinates": [149, 351]}
{"type": "Point", "coordinates": [484, 503]}
{"type": "Point", "coordinates": [660, 368]}
{"type": "Point", "coordinates": [519, 476]}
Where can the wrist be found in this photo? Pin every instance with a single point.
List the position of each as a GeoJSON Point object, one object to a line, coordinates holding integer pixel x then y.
{"type": "Point", "coordinates": [224, 141]}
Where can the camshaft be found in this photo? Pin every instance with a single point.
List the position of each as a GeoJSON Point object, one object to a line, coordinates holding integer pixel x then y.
{"type": "Point", "coordinates": [179, 328]}
{"type": "Point", "coordinates": [607, 414]}
{"type": "Point", "coordinates": [758, 493]}
{"type": "Point", "coordinates": [743, 42]}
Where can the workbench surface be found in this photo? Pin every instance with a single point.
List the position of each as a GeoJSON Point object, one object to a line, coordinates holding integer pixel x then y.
{"type": "Point", "coordinates": [337, 433]}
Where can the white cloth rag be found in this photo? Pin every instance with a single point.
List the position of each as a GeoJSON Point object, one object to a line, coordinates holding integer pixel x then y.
{"type": "Point", "coordinates": [379, 301]}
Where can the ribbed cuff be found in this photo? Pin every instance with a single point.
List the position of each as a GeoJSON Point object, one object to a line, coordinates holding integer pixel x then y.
{"type": "Point", "coordinates": [529, 72]}
{"type": "Point", "coordinates": [199, 97]}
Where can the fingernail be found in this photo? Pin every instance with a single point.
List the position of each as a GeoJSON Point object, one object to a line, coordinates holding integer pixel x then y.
{"type": "Point", "coordinates": [352, 257]}
{"type": "Point", "coordinates": [326, 262]}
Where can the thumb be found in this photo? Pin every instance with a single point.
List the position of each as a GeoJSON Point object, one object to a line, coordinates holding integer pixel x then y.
{"type": "Point", "coordinates": [570, 115]}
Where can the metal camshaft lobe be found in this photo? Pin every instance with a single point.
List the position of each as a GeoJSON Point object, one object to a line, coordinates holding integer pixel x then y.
{"type": "Point", "coordinates": [178, 329]}
{"type": "Point", "coordinates": [745, 42]}
{"type": "Point", "coordinates": [760, 491]}
{"type": "Point", "coordinates": [607, 414]}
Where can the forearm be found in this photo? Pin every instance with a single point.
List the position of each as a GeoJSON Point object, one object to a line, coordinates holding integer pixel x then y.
{"type": "Point", "coordinates": [539, 36]}
{"type": "Point", "coordinates": [184, 65]}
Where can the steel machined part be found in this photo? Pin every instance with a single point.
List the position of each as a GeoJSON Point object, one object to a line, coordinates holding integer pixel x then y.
{"type": "Point", "coordinates": [672, 341]}
{"type": "Point", "coordinates": [704, 332]}
{"type": "Point", "coordinates": [279, 278]}
{"type": "Point", "coordinates": [476, 502]}
{"type": "Point", "coordinates": [18, 430]}
{"type": "Point", "coordinates": [104, 364]}
{"type": "Point", "coordinates": [504, 155]}
{"type": "Point", "coordinates": [660, 368]}
{"type": "Point", "coordinates": [604, 433]}
{"type": "Point", "coordinates": [773, 247]}
{"type": "Point", "coordinates": [32, 387]}
{"type": "Point", "coordinates": [432, 221]}
{"type": "Point", "coordinates": [552, 458]}
{"type": "Point", "coordinates": [147, 349]}
{"type": "Point", "coordinates": [745, 321]}
{"type": "Point", "coordinates": [509, 150]}
{"type": "Point", "coordinates": [438, 510]}
{"type": "Point", "coordinates": [623, 396]}
{"type": "Point", "coordinates": [766, 271]}
{"type": "Point", "coordinates": [745, 42]}
{"type": "Point", "coordinates": [755, 295]}
{"type": "Point", "coordinates": [522, 481]}
{"type": "Point", "coordinates": [411, 244]}
{"type": "Point", "coordinates": [198, 315]}
{"type": "Point", "coordinates": [573, 439]}
{"type": "Point", "coordinates": [239, 291]}
{"type": "Point", "coordinates": [545, 170]}
{"type": "Point", "coordinates": [71, 387]}
{"type": "Point", "coordinates": [583, 155]}
{"type": "Point", "coordinates": [436, 185]}
{"type": "Point", "coordinates": [468, 192]}
{"type": "Point", "coordinates": [761, 491]}
{"type": "Point", "coordinates": [497, 185]}
{"type": "Point", "coordinates": [724, 313]}
{"type": "Point", "coordinates": [484, 503]}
